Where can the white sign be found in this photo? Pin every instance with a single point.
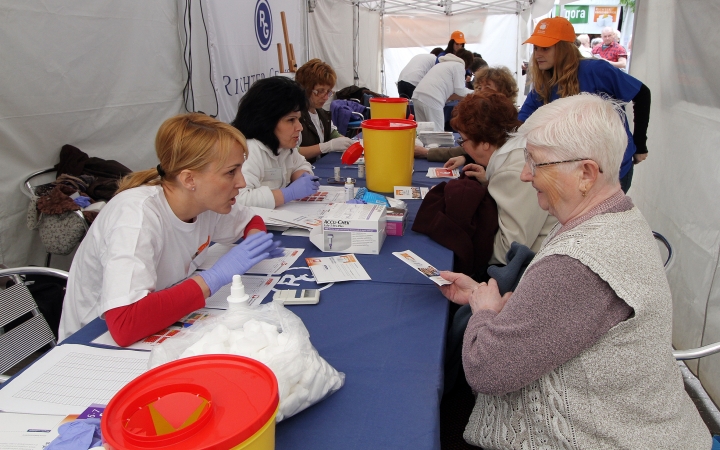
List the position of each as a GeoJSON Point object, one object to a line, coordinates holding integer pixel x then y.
{"type": "Point", "coordinates": [243, 37]}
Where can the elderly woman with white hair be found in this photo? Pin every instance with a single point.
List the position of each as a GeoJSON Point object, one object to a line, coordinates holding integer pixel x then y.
{"type": "Point", "coordinates": [580, 355]}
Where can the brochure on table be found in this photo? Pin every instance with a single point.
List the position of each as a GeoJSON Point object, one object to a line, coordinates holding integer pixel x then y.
{"type": "Point", "coordinates": [410, 192]}
{"type": "Point", "coordinates": [441, 172]}
{"type": "Point", "coordinates": [329, 269]}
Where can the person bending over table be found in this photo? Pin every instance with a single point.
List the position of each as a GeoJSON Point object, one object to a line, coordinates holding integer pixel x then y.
{"type": "Point", "coordinates": [580, 355]}
{"type": "Point", "coordinates": [319, 135]}
{"type": "Point", "coordinates": [444, 82]}
{"type": "Point", "coordinates": [498, 79]}
{"type": "Point", "coordinates": [558, 70]}
{"type": "Point", "coordinates": [269, 117]}
{"type": "Point", "coordinates": [132, 268]}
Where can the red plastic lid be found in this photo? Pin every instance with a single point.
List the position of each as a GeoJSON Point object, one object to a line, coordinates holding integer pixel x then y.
{"type": "Point", "coordinates": [389, 124]}
{"type": "Point", "coordinates": [352, 153]}
{"type": "Point", "coordinates": [388, 100]}
{"type": "Point", "coordinates": [202, 402]}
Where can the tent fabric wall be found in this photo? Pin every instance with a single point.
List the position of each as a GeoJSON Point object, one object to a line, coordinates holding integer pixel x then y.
{"type": "Point", "coordinates": [676, 188]}
{"type": "Point", "coordinates": [99, 75]}
{"type": "Point", "coordinates": [495, 37]}
{"type": "Point", "coordinates": [330, 29]}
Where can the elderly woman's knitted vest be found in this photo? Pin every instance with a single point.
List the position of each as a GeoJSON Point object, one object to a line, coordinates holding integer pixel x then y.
{"type": "Point", "coordinates": [625, 391]}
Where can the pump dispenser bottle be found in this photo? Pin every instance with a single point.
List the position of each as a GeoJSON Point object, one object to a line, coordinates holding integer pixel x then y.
{"type": "Point", "coordinates": [237, 298]}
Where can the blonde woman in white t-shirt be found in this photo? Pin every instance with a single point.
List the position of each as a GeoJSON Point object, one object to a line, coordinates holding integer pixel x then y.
{"type": "Point", "coordinates": [136, 265]}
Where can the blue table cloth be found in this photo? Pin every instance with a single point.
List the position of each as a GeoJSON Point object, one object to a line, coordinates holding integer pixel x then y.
{"type": "Point", "coordinates": [387, 335]}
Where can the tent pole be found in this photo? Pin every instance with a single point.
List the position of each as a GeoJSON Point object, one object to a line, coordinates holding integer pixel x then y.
{"type": "Point", "coordinates": [356, 32]}
{"type": "Point", "coordinates": [382, 47]}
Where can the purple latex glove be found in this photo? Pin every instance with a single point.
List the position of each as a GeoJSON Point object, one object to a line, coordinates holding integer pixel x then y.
{"type": "Point", "coordinates": [302, 187]}
{"type": "Point", "coordinates": [356, 201]}
{"type": "Point", "coordinates": [239, 259]}
{"type": "Point", "coordinates": [80, 434]}
{"type": "Point", "coordinates": [82, 201]}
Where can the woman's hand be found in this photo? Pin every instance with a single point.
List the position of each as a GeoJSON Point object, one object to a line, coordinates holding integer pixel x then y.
{"type": "Point", "coordinates": [455, 162]}
{"type": "Point", "coordinates": [486, 296]}
{"type": "Point", "coordinates": [420, 151]}
{"type": "Point", "coordinates": [304, 186]}
{"type": "Point", "coordinates": [476, 171]}
{"type": "Point", "coordinates": [460, 289]}
{"type": "Point", "coordinates": [480, 296]}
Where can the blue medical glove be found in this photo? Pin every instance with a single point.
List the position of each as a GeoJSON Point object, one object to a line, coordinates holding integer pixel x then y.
{"type": "Point", "coordinates": [302, 187]}
{"type": "Point", "coordinates": [239, 259]}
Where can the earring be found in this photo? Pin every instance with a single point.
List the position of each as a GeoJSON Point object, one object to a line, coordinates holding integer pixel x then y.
{"type": "Point", "coordinates": [584, 193]}
{"type": "Point", "coordinates": [194, 189]}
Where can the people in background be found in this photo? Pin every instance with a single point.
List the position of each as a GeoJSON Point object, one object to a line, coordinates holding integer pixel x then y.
{"type": "Point", "coordinates": [455, 44]}
{"type": "Point", "coordinates": [595, 42]}
{"type": "Point", "coordinates": [443, 82]}
{"type": "Point", "coordinates": [585, 49]}
{"type": "Point", "coordinates": [559, 71]}
{"type": "Point", "coordinates": [610, 50]}
{"type": "Point", "coordinates": [319, 135]}
{"type": "Point", "coordinates": [476, 65]}
{"type": "Point", "coordinates": [413, 72]}
{"type": "Point", "coordinates": [580, 347]}
{"type": "Point", "coordinates": [136, 265]}
{"type": "Point", "coordinates": [498, 79]}
{"type": "Point", "coordinates": [269, 116]}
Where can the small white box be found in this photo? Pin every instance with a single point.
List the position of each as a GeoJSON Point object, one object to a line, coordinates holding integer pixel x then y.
{"type": "Point", "coordinates": [350, 228]}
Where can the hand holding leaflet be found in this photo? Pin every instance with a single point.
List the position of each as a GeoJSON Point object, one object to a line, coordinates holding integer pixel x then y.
{"type": "Point", "coordinates": [239, 259]}
{"type": "Point", "coordinates": [301, 188]}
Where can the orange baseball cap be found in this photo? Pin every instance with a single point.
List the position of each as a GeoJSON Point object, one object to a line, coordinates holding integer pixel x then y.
{"type": "Point", "coordinates": [458, 37]}
{"type": "Point", "coordinates": [551, 31]}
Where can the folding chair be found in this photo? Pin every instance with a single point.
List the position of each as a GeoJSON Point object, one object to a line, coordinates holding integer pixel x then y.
{"type": "Point", "coordinates": [23, 328]}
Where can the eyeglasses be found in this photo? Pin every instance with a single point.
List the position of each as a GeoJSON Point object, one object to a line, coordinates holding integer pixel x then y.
{"type": "Point", "coordinates": [322, 92]}
{"type": "Point", "coordinates": [533, 165]}
{"type": "Point", "coordinates": [461, 141]}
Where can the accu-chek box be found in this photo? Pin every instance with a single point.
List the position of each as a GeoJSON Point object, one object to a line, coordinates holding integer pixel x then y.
{"type": "Point", "coordinates": [350, 228]}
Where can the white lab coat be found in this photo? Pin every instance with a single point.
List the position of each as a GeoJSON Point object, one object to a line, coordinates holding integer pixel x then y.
{"type": "Point", "coordinates": [263, 172]}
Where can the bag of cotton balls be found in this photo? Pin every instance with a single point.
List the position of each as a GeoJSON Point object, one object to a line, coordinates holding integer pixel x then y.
{"type": "Point", "coordinates": [268, 333]}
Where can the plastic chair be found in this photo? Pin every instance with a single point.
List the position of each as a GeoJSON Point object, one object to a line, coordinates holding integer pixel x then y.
{"type": "Point", "coordinates": [28, 188]}
{"type": "Point", "coordinates": [29, 331]}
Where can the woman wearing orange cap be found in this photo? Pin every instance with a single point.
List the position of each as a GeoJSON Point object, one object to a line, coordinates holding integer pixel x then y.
{"type": "Point", "coordinates": [456, 42]}
{"type": "Point", "coordinates": [558, 70]}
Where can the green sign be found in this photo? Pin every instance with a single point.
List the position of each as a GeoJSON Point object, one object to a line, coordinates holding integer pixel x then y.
{"type": "Point", "coordinates": [577, 13]}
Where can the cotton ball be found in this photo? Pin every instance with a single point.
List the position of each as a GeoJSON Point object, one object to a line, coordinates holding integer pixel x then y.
{"type": "Point", "coordinates": [197, 348]}
{"type": "Point", "coordinates": [236, 335]}
{"type": "Point", "coordinates": [215, 348]}
{"type": "Point", "coordinates": [283, 339]}
{"type": "Point", "coordinates": [308, 377]}
{"type": "Point", "coordinates": [243, 348]}
{"type": "Point", "coordinates": [290, 404]}
{"type": "Point", "coordinates": [219, 334]}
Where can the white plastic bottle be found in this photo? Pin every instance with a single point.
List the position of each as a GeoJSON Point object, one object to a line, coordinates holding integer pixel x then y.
{"type": "Point", "coordinates": [237, 298]}
{"type": "Point", "coordinates": [349, 189]}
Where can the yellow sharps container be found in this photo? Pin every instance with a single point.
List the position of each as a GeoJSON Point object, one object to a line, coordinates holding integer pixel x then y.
{"type": "Point", "coordinates": [389, 153]}
{"type": "Point", "coordinates": [388, 108]}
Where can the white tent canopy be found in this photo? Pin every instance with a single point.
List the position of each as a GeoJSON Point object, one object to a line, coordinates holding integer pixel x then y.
{"type": "Point", "coordinates": [103, 76]}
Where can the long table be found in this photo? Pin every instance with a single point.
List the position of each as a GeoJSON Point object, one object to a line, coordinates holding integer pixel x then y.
{"type": "Point", "coordinates": [387, 335]}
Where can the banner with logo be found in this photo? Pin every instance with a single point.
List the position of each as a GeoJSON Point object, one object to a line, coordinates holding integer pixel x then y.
{"type": "Point", "coordinates": [243, 37]}
{"type": "Point", "coordinates": [590, 19]}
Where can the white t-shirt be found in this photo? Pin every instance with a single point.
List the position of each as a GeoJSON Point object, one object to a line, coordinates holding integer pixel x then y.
{"type": "Point", "coordinates": [263, 172]}
{"type": "Point", "coordinates": [417, 67]}
{"type": "Point", "coordinates": [136, 246]}
{"type": "Point", "coordinates": [442, 80]}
